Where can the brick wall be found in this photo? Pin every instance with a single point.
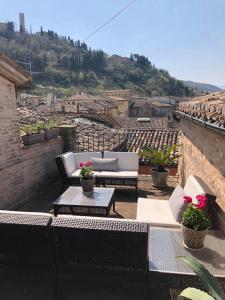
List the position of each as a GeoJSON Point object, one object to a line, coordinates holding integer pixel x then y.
{"type": "Point", "coordinates": [9, 129]}
{"type": "Point", "coordinates": [203, 154]}
{"type": "Point", "coordinates": [23, 170]}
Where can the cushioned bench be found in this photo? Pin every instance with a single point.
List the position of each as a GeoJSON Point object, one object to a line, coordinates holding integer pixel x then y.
{"type": "Point", "coordinates": [125, 173]}
{"type": "Point", "coordinates": [167, 213]}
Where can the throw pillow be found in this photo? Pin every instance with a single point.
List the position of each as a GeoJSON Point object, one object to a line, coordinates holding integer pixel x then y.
{"type": "Point", "coordinates": [105, 164]}
{"type": "Point", "coordinates": [176, 203]}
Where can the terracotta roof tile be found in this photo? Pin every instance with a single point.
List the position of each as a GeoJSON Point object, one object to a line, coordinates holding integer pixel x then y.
{"type": "Point", "coordinates": [156, 138]}
{"type": "Point", "coordinates": [209, 109]}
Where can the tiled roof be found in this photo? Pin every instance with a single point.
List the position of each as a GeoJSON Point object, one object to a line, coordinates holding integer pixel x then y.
{"type": "Point", "coordinates": [155, 138]}
{"type": "Point", "coordinates": [132, 123]}
{"type": "Point", "coordinates": [209, 109]}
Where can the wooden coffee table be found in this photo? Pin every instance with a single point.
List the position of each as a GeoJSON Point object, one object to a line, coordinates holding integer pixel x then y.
{"type": "Point", "coordinates": [99, 202]}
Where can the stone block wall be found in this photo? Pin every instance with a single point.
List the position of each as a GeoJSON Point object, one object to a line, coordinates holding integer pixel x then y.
{"type": "Point", "coordinates": [23, 180]}
{"type": "Point", "coordinates": [203, 155]}
{"type": "Point", "coordinates": [10, 151]}
{"type": "Point", "coordinates": [23, 170]}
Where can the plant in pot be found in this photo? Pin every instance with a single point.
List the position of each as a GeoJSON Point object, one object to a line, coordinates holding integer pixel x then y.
{"type": "Point", "coordinates": [86, 177]}
{"type": "Point", "coordinates": [195, 222]}
{"type": "Point", "coordinates": [51, 130]}
{"type": "Point", "coordinates": [34, 133]}
{"type": "Point", "coordinates": [160, 159]}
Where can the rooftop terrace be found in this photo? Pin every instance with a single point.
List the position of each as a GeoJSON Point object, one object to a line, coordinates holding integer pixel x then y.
{"type": "Point", "coordinates": [126, 200]}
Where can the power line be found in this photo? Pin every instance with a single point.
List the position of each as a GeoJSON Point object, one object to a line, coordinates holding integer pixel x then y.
{"type": "Point", "coordinates": [104, 24]}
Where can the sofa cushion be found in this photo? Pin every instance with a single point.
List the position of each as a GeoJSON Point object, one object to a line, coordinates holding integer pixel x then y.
{"type": "Point", "coordinates": [156, 213]}
{"type": "Point", "coordinates": [176, 203]}
{"type": "Point", "coordinates": [85, 156]}
{"type": "Point", "coordinates": [119, 174]}
{"type": "Point", "coordinates": [105, 164]}
{"type": "Point", "coordinates": [193, 187]}
{"type": "Point", "coordinates": [127, 161]}
{"type": "Point", "coordinates": [76, 174]}
{"type": "Point", "coordinates": [69, 162]}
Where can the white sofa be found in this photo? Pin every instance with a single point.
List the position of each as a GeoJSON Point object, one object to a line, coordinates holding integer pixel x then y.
{"type": "Point", "coordinates": [158, 212]}
{"type": "Point", "coordinates": [127, 173]}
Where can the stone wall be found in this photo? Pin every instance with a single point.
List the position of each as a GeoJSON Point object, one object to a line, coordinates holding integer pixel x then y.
{"type": "Point", "coordinates": [20, 182]}
{"type": "Point", "coordinates": [10, 147]}
{"type": "Point", "coordinates": [203, 154]}
{"type": "Point", "coordinates": [23, 170]}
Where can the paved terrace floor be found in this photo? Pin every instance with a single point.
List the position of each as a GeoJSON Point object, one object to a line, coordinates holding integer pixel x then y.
{"type": "Point", "coordinates": [126, 201]}
{"type": "Point", "coordinates": [19, 285]}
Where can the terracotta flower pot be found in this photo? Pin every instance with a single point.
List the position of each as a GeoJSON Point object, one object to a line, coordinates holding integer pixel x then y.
{"type": "Point", "coordinates": [193, 239]}
{"type": "Point", "coordinates": [87, 185]}
{"type": "Point", "coordinates": [159, 179]}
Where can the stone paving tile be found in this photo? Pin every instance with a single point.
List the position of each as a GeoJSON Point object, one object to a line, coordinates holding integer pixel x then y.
{"type": "Point", "coordinates": [126, 200]}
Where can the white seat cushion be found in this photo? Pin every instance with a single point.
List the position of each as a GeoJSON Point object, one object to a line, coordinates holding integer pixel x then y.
{"type": "Point", "coordinates": [193, 188]}
{"type": "Point", "coordinates": [14, 212]}
{"type": "Point", "coordinates": [119, 174]}
{"type": "Point", "coordinates": [69, 162]}
{"type": "Point", "coordinates": [84, 157]}
{"type": "Point", "coordinates": [76, 174]}
{"type": "Point", "coordinates": [156, 213]}
{"type": "Point", "coordinates": [127, 161]}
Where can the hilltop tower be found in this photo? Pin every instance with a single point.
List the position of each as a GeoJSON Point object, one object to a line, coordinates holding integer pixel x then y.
{"type": "Point", "coordinates": [22, 22]}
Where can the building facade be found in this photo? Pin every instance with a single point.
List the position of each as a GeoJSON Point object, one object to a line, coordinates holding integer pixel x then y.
{"type": "Point", "coordinates": [202, 123]}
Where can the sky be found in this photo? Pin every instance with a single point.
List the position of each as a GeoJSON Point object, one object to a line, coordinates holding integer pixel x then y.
{"type": "Point", "coordinates": [185, 37]}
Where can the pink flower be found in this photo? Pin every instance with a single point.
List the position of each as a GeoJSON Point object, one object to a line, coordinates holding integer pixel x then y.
{"type": "Point", "coordinates": [201, 198]}
{"type": "Point", "coordinates": [81, 165]}
{"type": "Point", "coordinates": [88, 164]}
{"type": "Point", "coordinates": [187, 199]}
{"type": "Point", "coordinates": [202, 201]}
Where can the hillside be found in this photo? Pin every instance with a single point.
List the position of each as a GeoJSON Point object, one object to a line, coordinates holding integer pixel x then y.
{"type": "Point", "coordinates": [83, 67]}
{"type": "Point", "coordinates": [202, 87]}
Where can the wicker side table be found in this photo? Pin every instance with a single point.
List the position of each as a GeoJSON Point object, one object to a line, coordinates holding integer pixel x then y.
{"type": "Point", "coordinates": [167, 271]}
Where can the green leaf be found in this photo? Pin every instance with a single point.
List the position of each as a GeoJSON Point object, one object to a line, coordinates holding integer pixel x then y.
{"type": "Point", "coordinates": [210, 283]}
{"type": "Point", "coordinates": [195, 294]}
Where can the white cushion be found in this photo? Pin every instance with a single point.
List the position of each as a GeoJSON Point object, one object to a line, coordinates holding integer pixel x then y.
{"type": "Point", "coordinates": [69, 162]}
{"type": "Point", "coordinates": [119, 174]}
{"type": "Point", "coordinates": [13, 212]}
{"type": "Point", "coordinates": [128, 161]}
{"type": "Point", "coordinates": [156, 213]}
{"type": "Point", "coordinates": [83, 157]}
{"type": "Point", "coordinates": [193, 188]}
{"type": "Point", "coordinates": [76, 174]}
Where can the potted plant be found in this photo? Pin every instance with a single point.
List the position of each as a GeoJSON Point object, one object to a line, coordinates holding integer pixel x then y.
{"type": "Point", "coordinates": [160, 159]}
{"type": "Point", "coordinates": [86, 177]}
{"type": "Point", "coordinates": [51, 130]}
{"type": "Point", "coordinates": [34, 133]}
{"type": "Point", "coordinates": [195, 222]}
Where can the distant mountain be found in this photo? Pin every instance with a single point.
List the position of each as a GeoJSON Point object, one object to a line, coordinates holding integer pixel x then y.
{"type": "Point", "coordinates": [202, 86]}
{"type": "Point", "coordinates": [222, 87]}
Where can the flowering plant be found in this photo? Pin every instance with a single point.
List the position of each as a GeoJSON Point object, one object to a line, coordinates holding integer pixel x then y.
{"type": "Point", "coordinates": [195, 215]}
{"type": "Point", "coordinates": [86, 170]}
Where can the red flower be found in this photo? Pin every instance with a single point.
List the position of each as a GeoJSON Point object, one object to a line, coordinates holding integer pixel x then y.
{"type": "Point", "coordinates": [202, 201]}
{"type": "Point", "coordinates": [81, 165]}
{"type": "Point", "coordinates": [88, 164]}
{"type": "Point", "coordinates": [187, 199]}
{"type": "Point", "coordinates": [201, 198]}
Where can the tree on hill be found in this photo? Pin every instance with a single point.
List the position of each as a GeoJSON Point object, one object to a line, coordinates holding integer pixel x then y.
{"type": "Point", "coordinates": [83, 66]}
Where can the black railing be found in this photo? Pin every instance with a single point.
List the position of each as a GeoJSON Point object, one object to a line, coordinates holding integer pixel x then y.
{"type": "Point", "coordinates": [101, 141]}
